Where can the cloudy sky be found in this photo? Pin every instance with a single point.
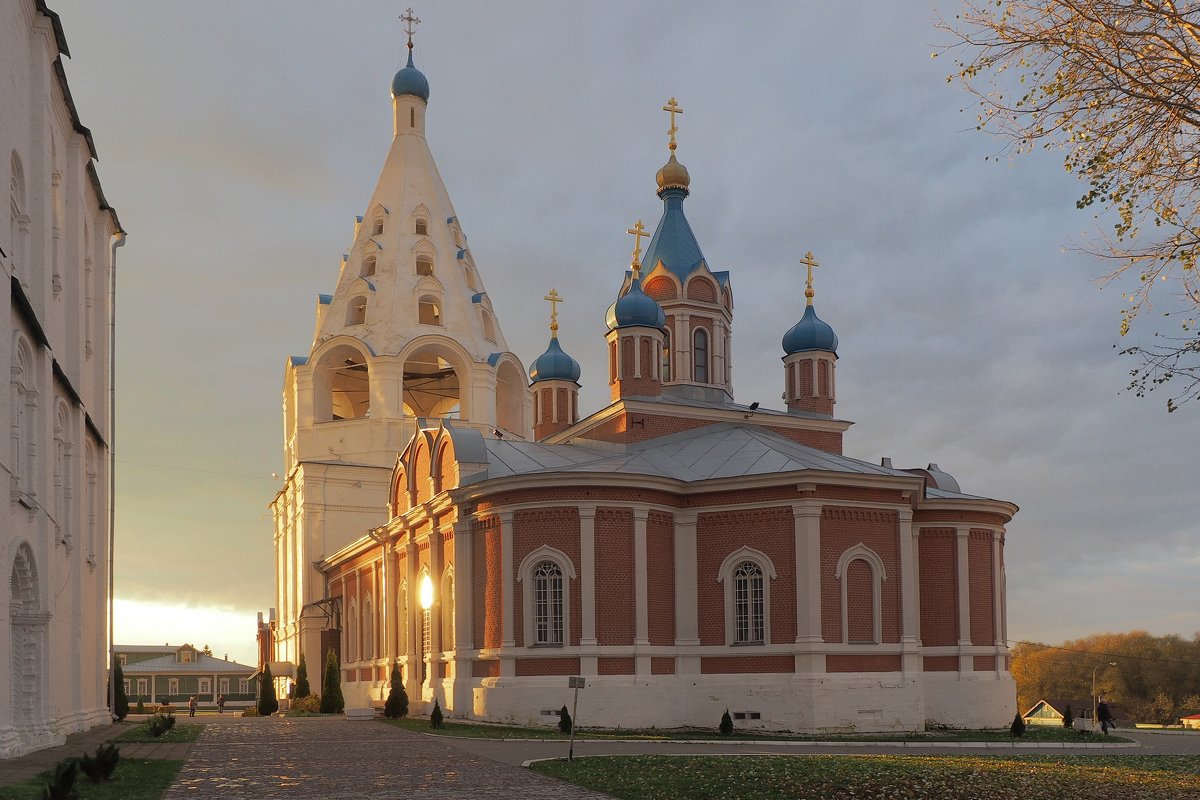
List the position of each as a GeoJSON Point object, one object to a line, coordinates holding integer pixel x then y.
{"type": "Point", "coordinates": [237, 141]}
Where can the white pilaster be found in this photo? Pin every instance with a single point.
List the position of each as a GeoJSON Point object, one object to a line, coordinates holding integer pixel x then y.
{"type": "Point", "coordinates": [965, 664]}
{"type": "Point", "coordinates": [807, 519]}
{"type": "Point", "coordinates": [687, 627]}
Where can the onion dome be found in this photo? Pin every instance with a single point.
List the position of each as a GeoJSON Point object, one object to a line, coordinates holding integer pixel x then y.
{"type": "Point", "coordinates": [810, 333]}
{"type": "Point", "coordinates": [410, 80]}
{"type": "Point", "coordinates": [635, 308]}
{"type": "Point", "coordinates": [673, 175]}
{"type": "Point", "coordinates": [554, 365]}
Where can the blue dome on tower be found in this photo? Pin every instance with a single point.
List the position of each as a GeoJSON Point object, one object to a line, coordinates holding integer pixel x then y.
{"type": "Point", "coordinates": [410, 80]}
{"type": "Point", "coordinates": [554, 365]}
{"type": "Point", "coordinates": [635, 308]}
{"type": "Point", "coordinates": [810, 333]}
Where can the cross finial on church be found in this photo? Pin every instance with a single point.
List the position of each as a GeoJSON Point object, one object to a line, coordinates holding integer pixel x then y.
{"type": "Point", "coordinates": [637, 231]}
{"type": "Point", "coordinates": [672, 108]}
{"type": "Point", "coordinates": [810, 261]}
{"type": "Point", "coordinates": [555, 298]}
{"type": "Point", "coordinates": [410, 22]}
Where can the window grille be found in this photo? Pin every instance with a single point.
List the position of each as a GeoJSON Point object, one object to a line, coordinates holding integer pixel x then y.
{"type": "Point", "coordinates": [547, 604]}
{"type": "Point", "coordinates": [748, 608]}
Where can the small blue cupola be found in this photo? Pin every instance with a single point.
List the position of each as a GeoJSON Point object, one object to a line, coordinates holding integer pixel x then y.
{"type": "Point", "coordinates": [554, 365]}
{"type": "Point", "coordinates": [410, 80]}
{"type": "Point", "coordinates": [635, 307]}
{"type": "Point", "coordinates": [811, 332]}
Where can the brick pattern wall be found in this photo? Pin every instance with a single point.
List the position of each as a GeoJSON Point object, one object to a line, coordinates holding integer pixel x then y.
{"type": "Point", "coordinates": [702, 289]}
{"type": "Point", "coordinates": [660, 574]}
{"type": "Point", "coordinates": [941, 517]}
{"type": "Point", "coordinates": [733, 665]}
{"type": "Point", "coordinates": [660, 289]}
{"type": "Point", "coordinates": [864, 663]}
{"type": "Point", "coordinates": [547, 666]}
{"type": "Point", "coordinates": [770, 530]}
{"type": "Point", "coordinates": [979, 558]}
{"type": "Point", "coordinates": [488, 612]}
{"type": "Point", "coordinates": [557, 527]}
{"type": "Point", "coordinates": [619, 428]}
{"type": "Point", "coordinates": [662, 666]}
{"type": "Point", "coordinates": [485, 669]}
{"type": "Point", "coordinates": [860, 605]}
{"type": "Point", "coordinates": [570, 494]}
{"type": "Point", "coordinates": [841, 529]}
{"type": "Point", "coordinates": [614, 666]}
{"type": "Point", "coordinates": [941, 663]}
{"type": "Point", "coordinates": [829, 441]}
{"type": "Point", "coordinates": [614, 576]}
{"type": "Point", "coordinates": [421, 471]}
{"type": "Point", "coordinates": [938, 578]}
{"type": "Point", "coordinates": [984, 663]}
{"type": "Point", "coordinates": [859, 494]}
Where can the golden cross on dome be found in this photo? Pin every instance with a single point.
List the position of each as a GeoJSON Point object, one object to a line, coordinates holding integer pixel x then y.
{"type": "Point", "coordinates": [410, 22]}
{"type": "Point", "coordinates": [555, 298]}
{"type": "Point", "coordinates": [811, 262]}
{"type": "Point", "coordinates": [637, 231]}
{"type": "Point", "coordinates": [672, 108]}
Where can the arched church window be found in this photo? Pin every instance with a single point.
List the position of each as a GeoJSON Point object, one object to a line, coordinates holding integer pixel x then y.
{"type": "Point", "coordinates": [23, 407]}
{"type": "Point", "coordinates": [424, 265]}
{"type": "Point", "coordinates": [421, 227]}
{"type": "Point", "coordinates": [428, 311]}
{"type": "Point", "coordinates": [749, 613]}
{"type": "Point", "coordinates": [547, 603]}
{"type": "Point", "coordinates": [352, 633]}
{"type": "Point", "coordinates": [62, 473]}
{"type": "Point", "coordinates": [700, 356]}
{"type": "Point", "coordinates": [489, 326]}
{"type": "Point", "coordinates": [377, 226]}
{"type": "Point", "coordinates": [402, 619]}
{"type": "Point", "coordinates": [448, 611]}
{"type": "Point", "coordinates": [368, 629]}
{"type": "Point", "coordinates": [666, 356]}
{"type": "Point", "coordinates": [368, 267]}
{"type": "Point", "coordinates": [357, 312]}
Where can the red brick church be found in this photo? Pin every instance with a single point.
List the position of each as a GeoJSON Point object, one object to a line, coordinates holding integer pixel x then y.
{"type": "Point", "coordinates": [681, 551]}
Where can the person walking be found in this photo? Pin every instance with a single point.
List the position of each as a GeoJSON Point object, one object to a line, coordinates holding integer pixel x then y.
{"type": "Point", "coordinates": [1105, 716]}
{"type": "Point", "coordinates": [192, 706]}
{"type": "Point", "coordinates": [220, 704]}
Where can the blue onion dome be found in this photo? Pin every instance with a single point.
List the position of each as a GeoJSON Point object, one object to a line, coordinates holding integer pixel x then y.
{"type": "Point", "coordinates": [635, 308]}
{"type": "Point", "coordinates": [410, 80]}
{"type": "Point", "coordinates": [810, 333]}
{"type": "Point", "coordinates": [554, 365]}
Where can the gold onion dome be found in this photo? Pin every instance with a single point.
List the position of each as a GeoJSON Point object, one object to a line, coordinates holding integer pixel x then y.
{"type": "Point", "coordinates": [673, 175]}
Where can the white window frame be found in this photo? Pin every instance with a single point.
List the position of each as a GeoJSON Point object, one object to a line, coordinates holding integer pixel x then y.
{"type": "Point", "coordinates": [243, 686]}
{"type": "Point", "coordinates": [222, 685]}
{"type": "Point", "coordinates": [860, 552]}
{"type": "Point", "coordinates": [172, 686]}
{"type": "Point", "coordinates": [204, 686]}
{"type": "Point", "coordinates": [143, 687]}
{"type": "Point", "coordinates": [525, 576]}
{"type": "Point", "coordinates": [726, 576]}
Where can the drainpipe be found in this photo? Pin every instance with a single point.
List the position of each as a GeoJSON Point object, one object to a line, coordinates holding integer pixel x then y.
{"type": "Point", "coordinates": [118, 240]}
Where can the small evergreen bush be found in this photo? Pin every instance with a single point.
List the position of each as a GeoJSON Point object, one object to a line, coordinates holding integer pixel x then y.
{"type": "Point", "coordinates": [310, 704]}
{"type": "Point", "coordinates": [268, 703]}
{"type": "Point", "coordinates": [564, 720]}
{"type": "Point", "coordinates": [1017, 729]}
{"type": "Point", "coordinates": [99, 768]}
{"type": "Point", "coordinates": [397, 702]}
{"type": "Point", "coordinates": [121, 700]}
{"type": "Point", "coordinates": [726, 726]}
{"type": "Point", "coordinates": [1068, 718]}
{"type": "Point", "coordinates": [62, 781]}
{"type": "Point", "coordinates": [435, 716]}
{"type": "Point", "coordinates": [332, 701]}
{"type": "Point", "coordinates": [141, 707]}
{"type": "Point", "coordinates": [302, 688]}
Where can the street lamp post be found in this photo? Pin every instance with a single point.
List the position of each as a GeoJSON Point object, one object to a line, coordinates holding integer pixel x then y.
{"type": "Point", "coordinates": [1095, 699]}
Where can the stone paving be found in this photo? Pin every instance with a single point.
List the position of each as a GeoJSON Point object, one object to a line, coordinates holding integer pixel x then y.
{"type": "Point", "coordinates": [338, 759]}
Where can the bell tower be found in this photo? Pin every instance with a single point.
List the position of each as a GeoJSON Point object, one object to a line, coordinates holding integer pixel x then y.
{"type": "Point", "coordinates": [810, 356]}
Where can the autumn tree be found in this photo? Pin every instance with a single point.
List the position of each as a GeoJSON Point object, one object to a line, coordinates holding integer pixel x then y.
{"type": "Point", "coordinates": [1116, 85]}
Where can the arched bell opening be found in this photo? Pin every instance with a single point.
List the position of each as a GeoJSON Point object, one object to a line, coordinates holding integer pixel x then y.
{"type": "Point", "coordinates": [343, 385]}
{"type": "Point", "coordinates": [433, 384]}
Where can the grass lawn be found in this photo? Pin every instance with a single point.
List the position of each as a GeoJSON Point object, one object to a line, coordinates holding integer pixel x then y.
{"type": "Point", "coordinates": [135, 779]}
{"type": "Point", "coordinates": [453, 728]}
{"type": "Point", "coordinates": [869, 777]}
{"type": "Point", "coordinates": [180, 733]}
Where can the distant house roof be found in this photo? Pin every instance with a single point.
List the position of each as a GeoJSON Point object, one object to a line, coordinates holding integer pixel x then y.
{"type": "Point", "coordinates": [202, 665]}
{"type": "Point", "coordinates": [1191, 716]}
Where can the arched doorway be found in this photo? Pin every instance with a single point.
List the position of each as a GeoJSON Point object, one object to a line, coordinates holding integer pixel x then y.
{"type": "Point", "coordinates": [27, 621]}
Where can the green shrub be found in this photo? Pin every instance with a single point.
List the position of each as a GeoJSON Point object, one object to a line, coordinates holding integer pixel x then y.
{"type": "Point", "coordinates": [397, 702]}
{"type": "Point", "coordinates": [268, 703]}
{"type": "Point", "coordinates": [159, 724]}
{"type": "Point", "coordinates": [302, 688]}
{"type": "Point", "coordinates": [1068, 717]}
{"type": "Point", "coordinates": [62, 781]}
{"type": "Point", "coordinates": [310, 704]}
{"type": "Point", "coordinates": [1017, 729]}
{"type": "Point", "coordinates": [332, 701]}
{"type": "Point", "coordinates": [564, 720]}
{"type": "Point", "coordinates": [121, 700]}
{"type": "Point", "coordinates": [99, 768]}
{"type": "Point", "coordinates": [141, 707]}
{"type": "Point", "coordinates": [726, 726]}
{"type": "Point", "coordinates": [435, 716]}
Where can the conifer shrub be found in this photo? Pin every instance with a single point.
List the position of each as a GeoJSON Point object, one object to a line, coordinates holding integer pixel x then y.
{"type": "Point", "coordinates": [302, 688]}
{"type": "Point", "coordinates": [564, 720]}
{"type": "Point", "coordinates": [435, 716]}
{"type": "Point", "coordinates": [1068, 718]}
{"type": "Point", "coordinates": [397, 702]}
{"type": "Point", "coordinates": [141, 706]}
{"type": "Point", "coordinates": [1017, 729]}
{"type": "Point", "coordinates": [62, 781]}
{"type": "Point", "coordinates": [120, 699]}
{"type": "Point", "coordinates": [99, 768]}
{"type": "Point", "coordinates": [268, 703]}
{"type": "Point", "coordinates": [726, 726]}
{"type": "Point", "coordinates": [309, 704]}
{"type": "Point", "coordinates": [159, 724]}
{"type": "Point", "coordinates": [332, 701]}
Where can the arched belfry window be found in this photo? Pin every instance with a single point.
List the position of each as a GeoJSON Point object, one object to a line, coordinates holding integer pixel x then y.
{"type": "Point", "coordinates": [424, 265]}
{"type": "Point", "coordinates": [377, 226]}
{"type": "Point", "coordinates": [356, 312]}
{"type": "Point", "coordinates": [700, 355]}
{"type": "Point", "coordinates": [429, 311]}
{"type": "Point", "coordinates": [421, 226]}
{"type": "Point", "coordinates": [368, 266]}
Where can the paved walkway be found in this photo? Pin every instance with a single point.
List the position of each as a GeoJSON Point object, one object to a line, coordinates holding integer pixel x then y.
{"type": "Point", "coordinates": [337, 759]}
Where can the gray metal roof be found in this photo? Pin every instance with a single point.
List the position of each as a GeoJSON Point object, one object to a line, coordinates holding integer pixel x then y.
{"type": "Point", "coordinates": [203, 665]}
{"type": "Point", "coordinates": [721, 450]}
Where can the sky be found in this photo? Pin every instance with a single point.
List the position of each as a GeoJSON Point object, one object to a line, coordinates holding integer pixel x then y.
{"type": "Point", "coordinates": [238, 140]}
